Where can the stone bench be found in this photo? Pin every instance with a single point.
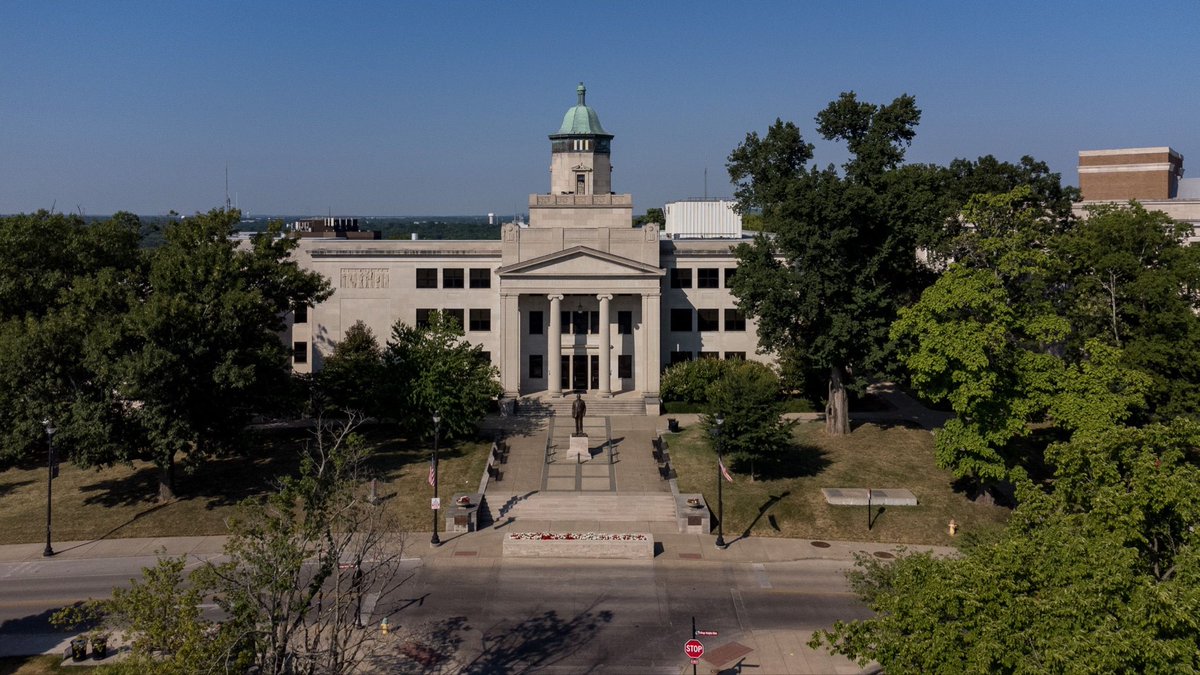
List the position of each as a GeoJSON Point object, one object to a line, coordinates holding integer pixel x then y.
{"type": "Point", "coordinates": [877, 497]}
{"type": "Point", "coordinates": [531, 545]}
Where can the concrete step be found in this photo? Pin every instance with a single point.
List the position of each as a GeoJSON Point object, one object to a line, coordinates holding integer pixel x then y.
{"type": "Point", "coordinates": [606, 507]}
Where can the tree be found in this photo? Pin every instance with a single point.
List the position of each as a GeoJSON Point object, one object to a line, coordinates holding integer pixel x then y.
{"type": "Point", "coordinates": [826, 287]}
{"type": "Point", "coordinates": [301, 573]}
{"type": "Point", "coordinates": [652, 215]}
{"type": "Point", "coordinates": [1099, 575]}
{"type": "Point", "coordinates": [351, 377]}
{"type": "Point", "coordinates": [65, 287]}
{"type": "Point", "coordinates": [1135, 283]}
{"type": "Point", "coordinates": [304, 562]}
{"type": "Point", "coordinates": [747, 396]}
{"type": "Point", "coordinates": [433, 369]}
{"type": "Point", "coordinates": [201, 350]}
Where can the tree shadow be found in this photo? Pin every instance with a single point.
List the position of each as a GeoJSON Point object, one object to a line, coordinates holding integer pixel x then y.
{"type": "Point", "coordinates": [798, 460]}
{"type": "Point", "coordinates": [427, 648]}
{"type": "Point", "coordinates": [762, 511]}
{"type": "Point", "coordinates": [535, 642]}
{"type": "Point", "coordinates": [6, 488]}
{"type": "Point", "coordinates": [33, 634]}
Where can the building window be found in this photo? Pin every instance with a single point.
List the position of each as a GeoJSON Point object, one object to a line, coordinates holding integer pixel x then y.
{"type": "Point", "coordinates": [535, 367]}
{"type": "Point", "coordinates": [485, 358]}
{"type": "Point", "coordinates": [594, 322]}
{"type": "Point", "coordinates": [707, 320]}
{"type": "Point", "coordinates": [711, 356]}
{"type": "Point", "coordinates": [680, 357]}
{"type": "Point", "coordinates": [299, 352]}
{"type": "Point", "coordinates": [481, 319]}
{"type": "Point", "coordinates": [300, 314]}
{"type": "Point", "coordinates": [625, 366]}
{"type": "Point", "coordinates": [735, 356]}
{"type": "Point", "coordinates": [681, 277]}
{"type": "Point", "coordinates": [681, 320]}
{"type": "Point", "coordinates": [426, 277]}
{"type": "Point", "coordinates": [730, 272]}
{"type": "Point", "coordinates": [456, 315]}
{"type": "Point", "coordinates": [423, 318]}
{"type": "Point", "coordinates": [452, 277]}
{"type": "Point", "coordinates": [536, 322]}
{"type": "Point", "coordinates": [735, 320]}
{"type": "Point", "coordinates": [481, 278]}
{"type": "Point", "coordinates": [624, 323]}
{"type": "Point", "coordinates": [708, 277]}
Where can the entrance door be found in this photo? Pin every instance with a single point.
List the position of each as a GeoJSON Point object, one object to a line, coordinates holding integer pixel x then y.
{"type": "Point", "coordinates": [579, 372]}
{"type": "Point", "coordinates": [565, 373]}
{"type": "Point", "coordinates": [595, 359]}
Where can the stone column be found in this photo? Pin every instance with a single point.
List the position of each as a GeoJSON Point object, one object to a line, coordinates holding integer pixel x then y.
{"type": "Point", "coordinates": [605, 347]}
{"type": "Point", "coordinates": [510, 349]}
{"type": "Point", "coordinates": [554, 347]}
{"type": "Point", "coordinates": [652, 356]}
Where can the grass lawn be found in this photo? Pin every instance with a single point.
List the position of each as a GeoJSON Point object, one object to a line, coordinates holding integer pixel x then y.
{"type": "Point", "coordinates": [121, 501]}
{"type": "Point", "coordinates": [786, 500]}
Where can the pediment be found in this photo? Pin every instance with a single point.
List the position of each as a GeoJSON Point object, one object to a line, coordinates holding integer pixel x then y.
{"type": "Point", "coordinates": [579, 261]}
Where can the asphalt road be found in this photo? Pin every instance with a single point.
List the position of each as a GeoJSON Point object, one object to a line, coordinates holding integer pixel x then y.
{"type": "Point", "coordinates": [504, 615]}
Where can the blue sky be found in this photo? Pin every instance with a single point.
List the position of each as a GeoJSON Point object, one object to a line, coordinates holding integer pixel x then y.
{"type": "Point", "coordinates": [406, 108]}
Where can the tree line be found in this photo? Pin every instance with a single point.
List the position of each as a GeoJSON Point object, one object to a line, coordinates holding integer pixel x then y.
{"type": "Point", "coordinates": [166, 353]}
{"type": "Point", "coordinates": [1066, 346]}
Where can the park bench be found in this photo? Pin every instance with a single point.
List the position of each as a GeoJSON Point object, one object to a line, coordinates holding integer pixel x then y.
{"type": "Point", "coordinates": [495, 473]}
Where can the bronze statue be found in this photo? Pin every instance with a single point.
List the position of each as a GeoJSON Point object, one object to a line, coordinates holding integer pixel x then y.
{"type": "Point", "coordinates": [578, 410]}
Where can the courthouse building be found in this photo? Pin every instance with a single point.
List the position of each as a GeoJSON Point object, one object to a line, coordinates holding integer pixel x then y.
{"type": "Point", "coordinates": [577, 300]}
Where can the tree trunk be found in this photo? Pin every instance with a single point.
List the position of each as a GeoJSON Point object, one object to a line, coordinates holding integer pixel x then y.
{"type": "Point", "coordinates": [837, 408]}
{"type": "Point", "coordinates": [166, 481]}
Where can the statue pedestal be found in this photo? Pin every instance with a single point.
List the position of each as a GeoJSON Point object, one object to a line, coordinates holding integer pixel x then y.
{"type": "Point", "coordinates": [579, 450]}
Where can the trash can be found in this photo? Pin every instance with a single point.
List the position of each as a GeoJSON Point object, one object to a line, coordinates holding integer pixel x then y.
{"type": "Point", "coordinates": [672, 425]}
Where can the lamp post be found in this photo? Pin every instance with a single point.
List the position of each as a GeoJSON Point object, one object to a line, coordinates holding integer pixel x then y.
{"type": "Point", "coordinates": [49, 426]}
{"type": "Point", "coordinates": [720, 487]}
{"type": "Point", "coordinates": [437, 426]}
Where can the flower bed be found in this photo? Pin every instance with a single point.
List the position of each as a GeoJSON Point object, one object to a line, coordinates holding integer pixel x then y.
{"type": "Point", "coordinates": [576, 536]}
{"type": "Point", "coordinates": [635, 545]}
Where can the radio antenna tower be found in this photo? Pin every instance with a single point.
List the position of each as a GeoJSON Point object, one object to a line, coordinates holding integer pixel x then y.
{"type": "Point", "coordinates": [228, 204]}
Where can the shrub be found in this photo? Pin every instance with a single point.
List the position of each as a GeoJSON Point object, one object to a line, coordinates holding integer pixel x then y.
{"type": "Point", "coordinates": [689, 381]}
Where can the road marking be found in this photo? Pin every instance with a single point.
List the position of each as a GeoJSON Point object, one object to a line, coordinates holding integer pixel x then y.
{"type": "Point", "coordinates": [739, 607]}
{"type": "Point", "coordinates": [760, 573]}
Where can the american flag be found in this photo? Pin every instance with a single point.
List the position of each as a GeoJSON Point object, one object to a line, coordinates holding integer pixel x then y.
{"type": "Point", "coordinates": [432, 471]}
{"type": "Point", "coordinates": [724, 471]}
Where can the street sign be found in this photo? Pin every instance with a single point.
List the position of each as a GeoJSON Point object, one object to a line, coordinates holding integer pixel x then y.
{"type": "Point", "coordinates": [694, 649]}
{"type": "Point", "coordinates": [706, 633]}
{"type": "Point", "coordinates": [435, 503]}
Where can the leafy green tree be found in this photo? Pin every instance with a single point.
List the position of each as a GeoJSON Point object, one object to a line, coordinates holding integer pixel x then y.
{"type": "Point", "coordinates": [434, 369]}
{"type": "Point", "coordinates": [1101, 575]}
{"type": "Point", "coordinates": [351, 377]}
{"type": "Point", "coordinates": [827, 285]}
{"type": "Point", "coordinates": [65, 286]}
{"type": "Point", "coordinates": [1135, 283]}
{"type": "Point", "coordinates": [651, 216]}
{"type": "Point", "coordinates": [201, 350]}
{"type": "Point", "coordinates": [747, 396]}
{"type": "Point", "coordinates": [689, 381]}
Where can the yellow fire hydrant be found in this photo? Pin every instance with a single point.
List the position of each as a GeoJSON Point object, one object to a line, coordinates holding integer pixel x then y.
{"type": "Point", "coordinates": [383, 626]}
{"type": "Point", "coordinates": [953, 527]}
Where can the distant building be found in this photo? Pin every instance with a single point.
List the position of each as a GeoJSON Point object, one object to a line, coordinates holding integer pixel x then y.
{"type": "Point", "coordinates": [345, 228]}
{"type": "Point", "coordinates": [579, 300]}
{"type": "Point", "coordinates": [1153, 176]}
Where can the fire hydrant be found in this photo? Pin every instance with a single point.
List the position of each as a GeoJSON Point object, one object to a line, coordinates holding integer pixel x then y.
{"type": "Point", "coordinates": [953, 527]}
{"type": "Point", "coordinates": [383, 626]}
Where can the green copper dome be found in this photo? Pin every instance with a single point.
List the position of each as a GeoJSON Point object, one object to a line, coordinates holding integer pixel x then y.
{"type": "Point", "coordinates": [580, 119]}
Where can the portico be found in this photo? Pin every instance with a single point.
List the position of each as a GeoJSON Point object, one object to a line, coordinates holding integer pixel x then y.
{"type": "Point", "coordinates": [584, 321]}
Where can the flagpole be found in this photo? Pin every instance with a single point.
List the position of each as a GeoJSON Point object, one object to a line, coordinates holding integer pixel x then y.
{"type": "Point", "coordinates": [720, 486]}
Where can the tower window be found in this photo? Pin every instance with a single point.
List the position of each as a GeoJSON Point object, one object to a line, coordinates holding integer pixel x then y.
{"type": "Point", "coordinates": [580, 184]}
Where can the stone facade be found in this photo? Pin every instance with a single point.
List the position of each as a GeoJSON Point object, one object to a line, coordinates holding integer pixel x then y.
{"type": "Point", "coordinates": [580, 300]}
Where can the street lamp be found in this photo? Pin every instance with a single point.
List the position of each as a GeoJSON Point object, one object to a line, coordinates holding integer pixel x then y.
{"type": "Point", "coordinates": [720, 487]}
{"type": "Point", "coordinates": [49, 426]}
{"type": "Point", "coordinates": [437, 425]}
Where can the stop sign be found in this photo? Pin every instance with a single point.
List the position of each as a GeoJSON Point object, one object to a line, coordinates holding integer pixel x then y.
{"type": "Point", "coordinates": [693, 648]}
